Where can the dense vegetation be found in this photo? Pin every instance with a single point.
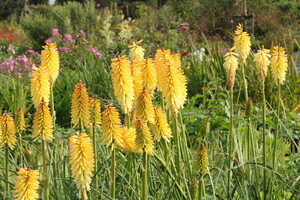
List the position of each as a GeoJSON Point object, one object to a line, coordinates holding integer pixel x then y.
{"type": "Point", "coordinates": [234, 138]}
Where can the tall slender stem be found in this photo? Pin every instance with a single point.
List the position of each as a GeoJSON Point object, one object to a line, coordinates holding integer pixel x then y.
{"type": "Point", "coordinates": [45, 174]}
{"type": "Point", "coordinates": [201, 188]}
{"type": "Point", "coordinates": [95, 154]}
{"type": "Point", "coordinates": [55, 141]}
{"type": "Point", "coordinates": [264, 140]}
{"type": "Point", "coordinates": [245, 83]}
{"type": "Point", "coordinates": [230, 141]}
{"type": "Point", "coordinates": [7, 169]}
{"type": "Point", "coordinates": [277, 125]}
{"type": "Point", "coordinates": [21, 148]}
{"type": "Point", "coordinates": [113, 173]}
{"type": "Point", "coordinates": [177, 144]}
{"type": "Point", "coordinates": [145, 176]}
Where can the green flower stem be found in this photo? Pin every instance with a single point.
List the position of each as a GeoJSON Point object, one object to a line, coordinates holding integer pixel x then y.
{"type": "Point", "coordinates": [21, 148]}
{"type": "Point", "coordinates": [145, 176]}
{"type": "Point", "coordinates": [45, 174]}
{"type": "Point", "coordinates": [177, 144]}
{"type": "Point", "coordinates": [55, 161]}
{"type": "Point", "coordinates": [201, 188]}
{"type": "Point", "coordinates": [230, 143]}
{"type": "Point", "coordinates": [113, 173]}
{"type": "Point", "coordinates": [95, 154]}
{"type": "Point", "coordinates": [277, 125]}
{"type": "Point", "coordinates": [7, 169]}
{"type": "Point", "coordinates": [245, 83]}
{"type": "Point", "coordinates": [264, 141]}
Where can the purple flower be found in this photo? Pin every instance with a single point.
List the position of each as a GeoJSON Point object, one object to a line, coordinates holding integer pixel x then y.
{"type": "Point", "coordinates": [95, 51]}
{"type": "Point", "coordinates": [64, 49]}
{"type": "Point", "coordinates": [80, 33]}
{"type": "Point", "coordinates": [22, 58]}
{"type": "Point", "coordinates": [48, 40]}
{"type": "Point", "coordinates": [69, 38]}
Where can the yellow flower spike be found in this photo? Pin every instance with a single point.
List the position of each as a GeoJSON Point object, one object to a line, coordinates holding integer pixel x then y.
{"type": "Point", "coordinates": [111, 126]}
{"type": "Point", "coordinates": [242, 43]}
{"type": "Point", "coordinates": [136, 51]}
{"type": "Point", "coordinates": [95, 111]}
{"type": "Point", "coordinates": [230, 65]}
{"type": "Point", "coordinates": [149, 75]}
{"type": "Point", "coordinates": [171, 80]}
{"type": "Point", "coordinates": [123, 83]}
{"type": "Point", "coordinates": [201, 164]}
{"type": "Point", "coordinates": [82, 162]}
{"type": "Point", "coordinates": [50, 61]}
{"type": "Point", "coordinates": [42, 123]}
{"type": "Point", "coordinates": [20, 121]}
{"type": "Point", "coordinates": [128, 136]}
{"type": "Point", "coordinates": [262, 61]}
{"type": "Point", "coordinates": [143, 141]}
{"type": "Point", "coordinates": [161, 126]}
{"type": "Point", "coordinates": [144, 107]}
{"type": "Point", "coordinates": [27, 184]}
{"type": "Point", "coordinates": [7, 131]}
{"type": "Point", "coordinates": [40, 86]}
{"type": "Point", "coordinates": [137, 77]}
{"type": "Point", "coordinates": [279, 64]}
{"type": "Point", "coordinates": [80, 112]}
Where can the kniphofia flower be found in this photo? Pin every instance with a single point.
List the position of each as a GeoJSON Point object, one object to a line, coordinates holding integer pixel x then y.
{"type": "Point", "coordinates": [42, 123]}
{"type": "Point", "coordinates": [262, 61]}
{"type": "Point", "coordinates": [171, 79]}
{"type": "Point", "coordinates": [279, 64]}
{"type": "Point", "coordinates": [7, 131]}
{"type": "Point", "coordinates": [144, 140]}
{"type": "Point", "coordinates": [50, 61]}
{"type": "Point", "coordinates": [136, 51]}
{"type": "Point", "coordinates": [201, 164]}
{"type": "Point", "coordinates": [230, 65]}
{"type": "Point", "coordinates": [144, 107]}
{"type": "Point", "coordinates": [149, 75]}
{"type": "Point", "coordinates": [161, 126]}
{"type": "Point", "coordinates": [40, 86]}
{"type": "Point", "coordinates": [95, 111]}
{"type": "Point", "coordinates": [128, 136]}
{"type": "Point", "coordinates": [123, 83]}
{"type": "Point", "coordinates": [82, 162]}
{"type": "Point", "coordinates": [27, 184]}
{"type": "Point", "coordinates": [80, 111]}
{"type": "Point", "coordinates": [137, 77]}
{"type": "Point", "coordinates": [20, 121]}
{"type": "Point", "coordinates": [111, 126]}
{"type": "Point", "coordinates": [242, 43]}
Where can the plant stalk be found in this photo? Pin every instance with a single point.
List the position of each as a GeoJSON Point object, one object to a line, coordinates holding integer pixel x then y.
{"type": "Point", "coordinates": [201, 188]}
{"type": "Point", "coordinates": [145, 176]}
{"type": "Point", "coordinates": [264, 141]}
{"type": "Point", "coordinates": [7, 169]}
{"type": "Point", "coordinates": [245, 83]}
{"type": "Point", "coordinates": [277, 125]}
{"type": "Point", "coordinates": [95, 155]}
{"type": "Point", "coordinates": [45, 174]}
{"type": "Point", "coordinates": [230, 142]}
{"type": "Point", "coordinates": [113, 173]}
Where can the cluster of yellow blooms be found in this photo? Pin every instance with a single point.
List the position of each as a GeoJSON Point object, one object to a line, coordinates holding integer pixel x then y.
{"type": "Point", "coordinates": [261, 58]}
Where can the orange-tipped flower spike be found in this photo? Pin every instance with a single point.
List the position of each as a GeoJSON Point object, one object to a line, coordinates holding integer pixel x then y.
{"type": "Point", "coordinates": [128, 136]}
{"type": "Point", "coordinates": [111, 126]}
{"type": "Point", "coordinates": [171, 80]}
{"type": "Point", "coordinates": [279, 64]}
{"type": "Point", "coordinates": [137, 76]}
{"type": "Point", "coordinates": [242, 43]}
{"type": "Point", "coordinates": [230, 65]}
{"type": "Point", "coordinates": [19, 120]}
{"type": "Point", "coordinates": [149, 75]}
{"type": "Point", "coordinates": [40, 86]}
{"type": "Point", "coordinates": [136, 51]}
{"type": "Point", "coordinates": [144, 140]}
{"type": "Point", "coordinates": [80, 111]}
{"type": "Point", "coordinates": [123, 83]}
{"type": "Point", "coordinates": [7, 131]}
{"type": "Point", "coordinates": [27, 184]}
{"type": "Point", "coordinates": [95, 111]}
{"type": "Point", "coordinates": [82, 162]}
{"type": "Point", "coordinates": [262, 61]}
{"type": "Point", "coordinates": [161, 126]}
{"type": "Point", "coordinates": [144, 107]}
{"type": "Point", "coordinates": [50, 61]}
{"type": "Point", "coordinates": [42, 123]}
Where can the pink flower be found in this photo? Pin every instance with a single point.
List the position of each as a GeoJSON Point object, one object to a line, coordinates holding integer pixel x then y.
{"type": "Point", "coordinates": [95, 51]}
{"type": "Point", "coordinates": [33, 52]}
{"type": "Point", "coordinates": [55, 32]}
{"type": "Point", "coordinates": [64, 49]}
{"type": "Point", "coordinates": [69, 38]}
{"type": "Point", "coordinates": [80, 33]}
{"type": "Point", "coordinates": [48, 40]}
